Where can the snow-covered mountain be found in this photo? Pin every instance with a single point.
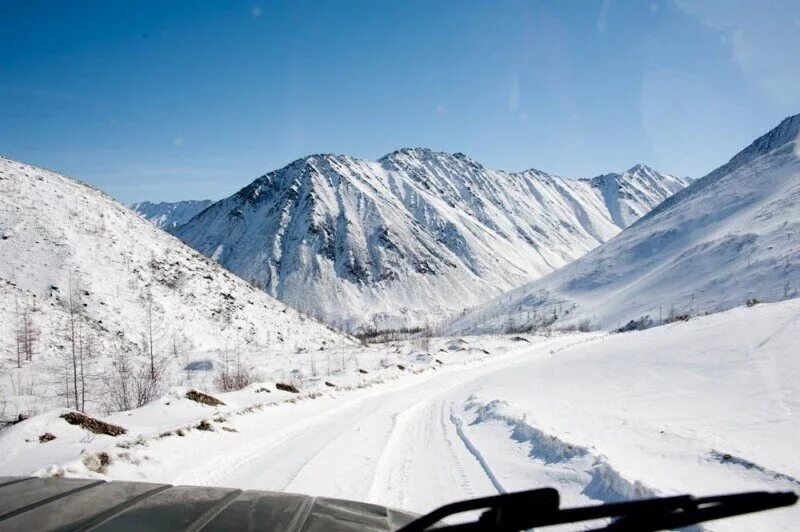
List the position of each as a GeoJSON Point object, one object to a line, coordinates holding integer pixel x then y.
{"type": "Point", "coordinates": [167, 214]}
{"type": "Point", "coordinates": [414, 236]}
{"type": "Point", "coordinates": [733, 235]}
{"type": "Point", "coordinates": [633, 193]}
{"type": "Point", "coordinates": [63, 241]}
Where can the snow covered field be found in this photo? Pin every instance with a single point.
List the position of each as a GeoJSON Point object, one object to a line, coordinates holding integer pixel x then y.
{"type": "Point", "coordinates": [705, 406]}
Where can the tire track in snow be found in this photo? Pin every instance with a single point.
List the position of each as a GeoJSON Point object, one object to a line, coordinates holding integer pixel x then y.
{"type": "Point", "coordinates": [397, 445]}
{"type": "Point", "coordinates": [392, 473]}
{"type": "Point", "coordinates": [457, 422]}
{"type": "Point", "coordinates": [418, 466]}
{"type": "Point", "coordinates": [443, 425]}
{"type": "Point", "coordinates": [245, 455]}
{"type": "Point", "coordinates": [421, 458]}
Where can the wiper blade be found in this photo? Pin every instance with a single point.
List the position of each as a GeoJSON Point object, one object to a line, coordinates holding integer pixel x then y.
{"type": "Point", "coordinates": [535, 508]}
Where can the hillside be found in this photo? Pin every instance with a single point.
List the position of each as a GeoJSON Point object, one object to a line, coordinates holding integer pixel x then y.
{"type": "Point", "coordinates": [733, 235]}
{"type": "Point", "coordinates": [414, 236]}
{"type": "Point", "coordinates": [67, 248]}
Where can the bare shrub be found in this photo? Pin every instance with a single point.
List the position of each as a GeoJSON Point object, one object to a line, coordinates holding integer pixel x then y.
{"type": "Point", "coordinates": [373, 335]}
{"type": "Point", "coordinates": [232, 374]}
{"type": "Point", "coordinates": [645, 322]}
{"type": "Point", "coordinates": [132, 384]}
{"type": "Point", "coordinates": [676, 315]}
{"type": "Point", "coordinates": [97, 462]}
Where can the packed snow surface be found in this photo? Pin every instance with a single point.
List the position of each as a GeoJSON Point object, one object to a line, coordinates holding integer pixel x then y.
{"type": "Point", "coordinates": [414, 236]}
{"type": "Point", "coordinates": [707, 406]}
{"type": "Point", "coordinates": [731, 236]}
{"type": "Point", "coordinates": [167, 215]}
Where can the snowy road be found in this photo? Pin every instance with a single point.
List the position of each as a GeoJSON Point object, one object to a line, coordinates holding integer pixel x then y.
{"type": "Point", "coordinates": [708, 406]}
{"type": "Point", "coordinates": [398, 444]}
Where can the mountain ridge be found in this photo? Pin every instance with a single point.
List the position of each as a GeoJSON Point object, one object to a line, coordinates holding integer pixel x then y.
{"type": "Point", "coordinates": [393, 242]}
{"type": "Point", "coordinates": [169, 214]}
{"type": "Point", "coordinates": [729, 237]}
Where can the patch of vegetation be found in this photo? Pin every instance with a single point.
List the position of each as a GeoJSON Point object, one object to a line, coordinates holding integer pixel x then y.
{"type": "Point", "coordinates": [287, 387]}
{"type": "Point", "coordinates": [205, 425]}
{"type": "Point", "coordinates": [203, 398]}
{"type": "Point", "coordinates": [97, 462]}
{"type": "Point", "coordinates": [92, 425]}
{"type": "Point", "coordinates": [645, 322]}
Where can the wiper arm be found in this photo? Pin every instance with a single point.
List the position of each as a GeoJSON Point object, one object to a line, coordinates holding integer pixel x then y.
{"type": "Point", "coordinates": [535, 508]}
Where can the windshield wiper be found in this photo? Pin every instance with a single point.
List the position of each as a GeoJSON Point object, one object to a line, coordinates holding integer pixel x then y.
{"type": "Point", "coordinates": [535, 508]}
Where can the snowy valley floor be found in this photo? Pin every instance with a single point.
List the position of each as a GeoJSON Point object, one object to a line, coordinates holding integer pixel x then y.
{"type": "Point", "coordinates": [705, 407]}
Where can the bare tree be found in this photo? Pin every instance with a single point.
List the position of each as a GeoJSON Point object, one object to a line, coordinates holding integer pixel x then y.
{"type": "Point", "coordinates": [313, 364]}
{"type": "Point", "coordinates": [74, 340]}
{"type": "Point", "coordinates": [3, 372]}
{"type": "Point", "coordinates": [152, 342]}
{"type": "Point", "coordinates": [79, 356]}
{"type": "Point", "coordinates": [27, 335]}
{"type": "Point", "coordinates": [425, 337]}
{"type": "Point", "coordinates": [86, 361]}
{"type": "Point", "coordinates": [17, 349]}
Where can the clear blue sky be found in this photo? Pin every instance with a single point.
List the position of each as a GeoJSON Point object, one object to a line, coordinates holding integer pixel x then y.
{"type": "Point", "coordinates": [176, 100]}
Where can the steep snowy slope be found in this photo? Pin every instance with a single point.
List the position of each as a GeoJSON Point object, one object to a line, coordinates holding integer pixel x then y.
{"type": "Point", "coordinates": [170, 214]}
{"type": "Point", "coordinates": [64, 241]}
{"type": "Point", "coordinates": [731, 236]}
{"type": "Point", "coordinates": [413, 236]}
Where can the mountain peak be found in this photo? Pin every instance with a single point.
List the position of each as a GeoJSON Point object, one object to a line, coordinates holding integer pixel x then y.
{"type": "Point", "coordinates": [639, 168]}
{"type": "Point", "coordinates": [320, 158]}
{"type": "Point", "coordinates": [425, 153]}
{"type": "Point", "coordinates": [787, 131]}
{"type": "Point", "coordinates": [406, 157]}
{"type": "Point", "coordinates": [531, 171]}
{"type": "Point", "coordinates": [410, 152]}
